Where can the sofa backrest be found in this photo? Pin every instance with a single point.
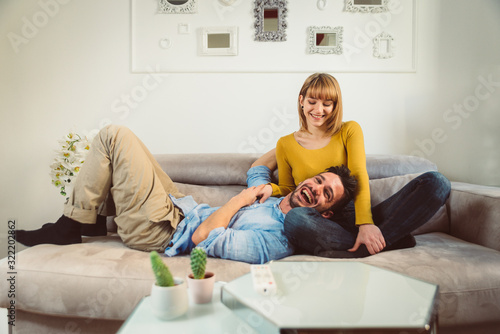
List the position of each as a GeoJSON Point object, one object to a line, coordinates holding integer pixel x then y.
{"type": "Point", "coordinates": [231, 168]}
{"type": "Point", "coordinates": [207, 168]}
{"type": "Point", "coordinates": [214, 178]}
{"type": "Point", "coordinates": [380, 166]}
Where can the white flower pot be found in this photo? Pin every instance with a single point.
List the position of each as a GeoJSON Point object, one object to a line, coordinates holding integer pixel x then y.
{"type": "Point", "coordinates": [169, 302]}
{"type": "Point", "coordinates": [201, 290]}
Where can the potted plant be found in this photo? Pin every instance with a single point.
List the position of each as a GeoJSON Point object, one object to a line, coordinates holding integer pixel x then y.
{"type": "Point", "coordinates": [169, 294]}
{"type": "Point", "coordinates": [200, 282]}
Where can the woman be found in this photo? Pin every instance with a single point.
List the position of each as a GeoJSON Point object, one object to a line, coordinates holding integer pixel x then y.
{"type": "Point", "coordinates": [323, 140]}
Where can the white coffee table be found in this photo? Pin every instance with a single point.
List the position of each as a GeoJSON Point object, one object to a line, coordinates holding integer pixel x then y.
{"type": "Point", "coordinates": [200, 318]}
{"type": "Point", "coordinates": [312, 297]}
{"type": "Point", "coordinates": [335, 297]}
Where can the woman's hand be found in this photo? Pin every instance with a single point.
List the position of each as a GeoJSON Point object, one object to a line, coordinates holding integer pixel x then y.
{"type": "Point", "coordinates": [249, 195]}
{"type": "Point", "coordinates": [265, 193]}
{"type": "Point", "coordinates": [223, 215]}
{"type": "Point", "coordinates": [371, 236]}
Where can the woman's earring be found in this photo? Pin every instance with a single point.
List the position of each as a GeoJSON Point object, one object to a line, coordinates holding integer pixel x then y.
{"type": "Point", "coordinates": [302, 107]}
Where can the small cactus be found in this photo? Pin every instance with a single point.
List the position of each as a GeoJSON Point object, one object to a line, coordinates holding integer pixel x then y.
{"type": "Point", "coordinates": [161, 271]}
{"type": "Point", "coordinates": [198, 262]}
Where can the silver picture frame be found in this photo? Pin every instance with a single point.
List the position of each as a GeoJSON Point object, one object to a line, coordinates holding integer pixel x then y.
{"type": "Point", "coordinates": [270, 29]}
{"type": "Point", "coordinates": [366, 6]}
{"type": "Point", "coordinates": [177, 6]}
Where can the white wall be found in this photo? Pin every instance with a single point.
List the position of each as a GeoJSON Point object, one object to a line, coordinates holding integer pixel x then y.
{"type": "Point", "coordinates": [75, 68]}
{"type": "Point", "coordinates": [183, 53]}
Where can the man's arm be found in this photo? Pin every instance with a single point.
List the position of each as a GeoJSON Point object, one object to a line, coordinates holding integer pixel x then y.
{"type": "Point", "coordinates": [248, 245]}
{"type": "Point", "coordinates": [268, 160]}
{"type": "Point", "coordinates": [224, 214]}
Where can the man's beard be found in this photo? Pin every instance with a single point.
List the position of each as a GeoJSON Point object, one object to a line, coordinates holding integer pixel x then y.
{"type": "Point", "coordinates": [295, 197]}
{"type": "Point", "coordinates": [293, 200]}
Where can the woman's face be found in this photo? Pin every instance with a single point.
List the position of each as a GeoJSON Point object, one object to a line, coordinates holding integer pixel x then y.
{"type": "Point", "coordinates": [316, 110]}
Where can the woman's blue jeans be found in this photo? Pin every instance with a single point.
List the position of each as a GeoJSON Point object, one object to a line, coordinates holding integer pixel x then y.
{"type": "Point", "coordinates": [396, 217]}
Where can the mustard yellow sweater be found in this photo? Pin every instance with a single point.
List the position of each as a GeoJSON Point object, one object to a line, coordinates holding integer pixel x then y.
{"type": "Point", "coordinates": [296, 163]}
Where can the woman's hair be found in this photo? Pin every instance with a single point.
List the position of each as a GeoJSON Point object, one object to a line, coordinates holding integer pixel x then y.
{"type": "Point", "coordinates": [325, 87]}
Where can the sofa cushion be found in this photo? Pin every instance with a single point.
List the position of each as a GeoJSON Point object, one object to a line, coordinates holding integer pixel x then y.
{"type": "Point", "coordinates": [100, 278]}
{"type": "Point", "coordinates": [381, 189]}
{"type": "Point", "coordinates": [207, 169]}
{"type": "Point", "coordinates": [380, 166]}
{"type": "Point", "coordinates": [468, 275]}
{"type": "Point", "coordinates": [211, 195]}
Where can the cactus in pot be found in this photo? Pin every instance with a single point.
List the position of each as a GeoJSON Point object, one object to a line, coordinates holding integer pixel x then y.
{"type": "Point", "coordinates": [169, 298]}
{"type": "Point", "coordinates": [161, 271]}
{"type": "Point", "coordinates": [198, 262]}
{"type": "Point", "coordinates": [201, 283]}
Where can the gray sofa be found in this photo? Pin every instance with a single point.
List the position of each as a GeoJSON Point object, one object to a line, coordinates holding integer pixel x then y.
{"type": "Point", "coordinates": [93, 287]}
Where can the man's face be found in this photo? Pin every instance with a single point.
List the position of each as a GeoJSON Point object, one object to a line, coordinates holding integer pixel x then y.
{"type": "Point", "coordinates": [319, 192]}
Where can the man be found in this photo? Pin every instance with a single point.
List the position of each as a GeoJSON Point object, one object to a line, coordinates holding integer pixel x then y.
{"type": "Point", "coordinates": [121, 178]}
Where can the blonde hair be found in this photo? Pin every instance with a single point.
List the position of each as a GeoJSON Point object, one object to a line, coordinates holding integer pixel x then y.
{"type": "Point", "coordinates": [325, 87]}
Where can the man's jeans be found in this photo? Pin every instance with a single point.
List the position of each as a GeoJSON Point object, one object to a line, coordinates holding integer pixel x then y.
{"type": "Point", "coordinates": [396, 217]}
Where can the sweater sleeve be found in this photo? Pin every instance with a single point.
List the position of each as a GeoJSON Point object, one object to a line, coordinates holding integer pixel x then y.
{"type": "Point", "coordinates": [356, 162]}
{"type": "Point", "coordinates": [286, 181]}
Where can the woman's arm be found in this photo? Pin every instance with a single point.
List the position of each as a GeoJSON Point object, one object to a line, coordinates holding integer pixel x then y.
{"type": "Point", "coordinates": [286, 181]}
{"type": "Point", "coordinates": [277, 158]}
{"type": "Point", "coordinates": [369, 234]}
{"type": "Point", "coordinates": [356, 162]}
{"type": "Point", "coordinates": [268, 160]}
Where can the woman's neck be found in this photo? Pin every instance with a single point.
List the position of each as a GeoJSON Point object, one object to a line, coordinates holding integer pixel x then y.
{"type": "Point", "coordinates": [312, 140]}
{"type": "Point", "coordinates": [313, 133]}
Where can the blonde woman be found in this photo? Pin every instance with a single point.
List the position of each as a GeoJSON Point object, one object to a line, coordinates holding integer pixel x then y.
{"type": "Point", "coordinates": [324, 140]}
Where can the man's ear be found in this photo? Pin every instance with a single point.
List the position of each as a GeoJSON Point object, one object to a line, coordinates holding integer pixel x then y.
{"type": "Point", "coordinates": [327, 214]}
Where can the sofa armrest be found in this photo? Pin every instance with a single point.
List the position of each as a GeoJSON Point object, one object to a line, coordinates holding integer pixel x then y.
{"type": "Point", "coordinates": [475, 214]}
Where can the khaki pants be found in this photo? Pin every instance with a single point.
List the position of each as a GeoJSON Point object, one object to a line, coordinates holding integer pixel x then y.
{"type": "Point", "coordinates": [120, 177]}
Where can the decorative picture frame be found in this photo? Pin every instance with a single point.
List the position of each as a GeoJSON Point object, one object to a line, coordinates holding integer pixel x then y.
{"type": "Point", "coordinates": [321, 4]}
{"type": "Point", "coordinates": [183, 28]}
{"type": "Point", "coordinates": [227, 2]}
{"type": "Point", "coordinates": [383, 46]}
{"type": "Point", "coordinates": [219, 41]}
{"type": "Point", "coordinates": [176, 6]}
{"type": "Point", "coordinates": [270, 20]}
{"type": "Point", "coordinates": [366, 6]}
{"type": "Point", "coordinates": [325, 40]}
{"type": "Point", "coordinates": [165, 43]}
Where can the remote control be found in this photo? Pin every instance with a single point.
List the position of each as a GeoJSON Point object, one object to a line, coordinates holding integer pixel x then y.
{"type": "Point", "coordinates": [263, 279]}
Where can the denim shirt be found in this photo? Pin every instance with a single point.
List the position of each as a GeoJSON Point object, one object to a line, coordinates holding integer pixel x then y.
{"type": "Point", "coordinates": [254, 234]}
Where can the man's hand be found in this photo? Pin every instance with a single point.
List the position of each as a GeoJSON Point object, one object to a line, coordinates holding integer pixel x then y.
{"type": "Point", "coordinates": [371, 236]}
